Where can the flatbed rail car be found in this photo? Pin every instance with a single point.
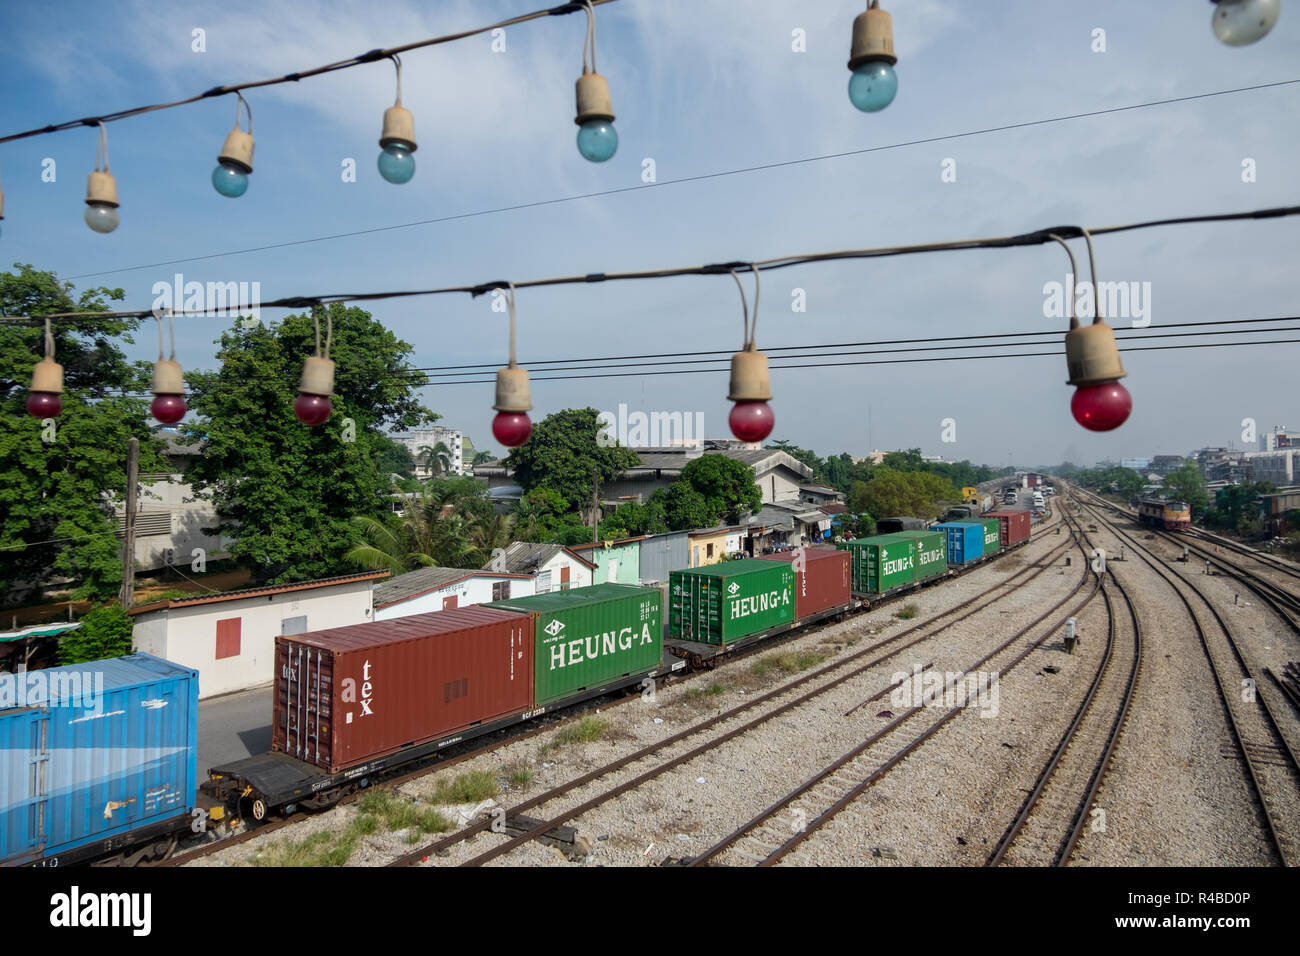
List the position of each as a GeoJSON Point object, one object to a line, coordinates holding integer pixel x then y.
{"type": "Point", "coordinates": [357, 704]}
{"type": "Point", "coordinates": [1162, 513]}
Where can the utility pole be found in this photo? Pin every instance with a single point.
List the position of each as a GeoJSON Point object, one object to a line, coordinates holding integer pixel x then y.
{"type": "Point", "coordinates": [128, 539]}
{"type": "Point", "coordinates": [595, 507]}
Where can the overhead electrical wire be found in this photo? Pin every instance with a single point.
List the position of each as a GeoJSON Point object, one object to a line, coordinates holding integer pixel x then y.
{"type": "Point", "coordinates": [681, 181]}
{"type": "Point", "coordinates": [1037, 237]}
{"type": "Point", "coordinates": [370, 56]}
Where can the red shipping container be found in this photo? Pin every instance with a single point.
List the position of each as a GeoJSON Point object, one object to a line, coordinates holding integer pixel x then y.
{"type": "Point", "coordinates": [346, 695]}
{"type": "Point", "coordinates": [822, 584]}
{"type": "Point", "coordinates": [1015, 525]}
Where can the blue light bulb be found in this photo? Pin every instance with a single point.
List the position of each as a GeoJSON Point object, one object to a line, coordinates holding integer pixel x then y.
{"type": "Point", "coordinates": [229, 180]}
{"type": "Point", "coordinates": [873, 85]}
{"type": "Point", "coordinates": [396, 164]}
{"type": "Point", "coordinates": [597, 140]}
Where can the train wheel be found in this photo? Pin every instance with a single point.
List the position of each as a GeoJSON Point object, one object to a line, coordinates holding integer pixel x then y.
{"type": "Point", "coordinates": [259, 810]}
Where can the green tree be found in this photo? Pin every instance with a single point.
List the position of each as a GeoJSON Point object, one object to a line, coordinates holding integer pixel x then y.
{"type": "Point", "coordinates": [686, 509]}
{"type": "Point", "coordinates": [1235, 509]}
{"type": "Point", "coordinates": [916, 494]}
{"type": "Point", "coordinates": [448, 523]}
{"type": "Point", "coordinates": [543, 516]}
{"type": "Point", "coordinates": [1187, 484]}
{"type": "Point", "coordinates": [58, 484]}
{"type": "Point", "coordinates": [104, 632]}
{"type": "Point", "coordinates": [394, 458]}
{"type": "Point", "coordinates": [727, 486]}
{"type": "Point", "coordinates": [562, 453]}
{"type": "Point", "coordinates": [287, 494]}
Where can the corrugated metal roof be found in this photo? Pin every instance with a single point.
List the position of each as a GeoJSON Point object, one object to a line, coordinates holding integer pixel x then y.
{"type": "Point", "coordinates": [257, 592]}
{"type": "Point", "coordinates": [525, 557]}
{"type": "Point", "coordinates": [412, 627]}
{"type": "Point", "coordinates": [422, 580]}
{"type": "Point", "coordinates": [39, 630]}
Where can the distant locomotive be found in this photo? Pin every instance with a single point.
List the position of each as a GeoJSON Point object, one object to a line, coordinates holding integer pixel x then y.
{"type": "Point", "coordinates": [1160, 513]}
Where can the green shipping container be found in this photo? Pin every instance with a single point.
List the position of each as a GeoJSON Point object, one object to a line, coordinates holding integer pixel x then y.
{"type": "Point", "coordinates": [931, 552]}
{"type": "Point", "coordinates": [724, 602]}
{"type": "Point", "coordinates": [882, 563]}
{"type": "Point", "coordinates": [585, 638]}
{"type": "Point", "coordinates": [992, 535]}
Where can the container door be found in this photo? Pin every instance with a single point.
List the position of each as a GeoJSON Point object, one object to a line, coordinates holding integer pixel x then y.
{"type": "Point", "coordinates": [38, 812]}
{"type": "Point", "coordinates": [307, 689]}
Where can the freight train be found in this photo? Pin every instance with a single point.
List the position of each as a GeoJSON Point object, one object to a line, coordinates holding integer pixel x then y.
{"type": "Point", "coordinates": [354, 705]}
{"type": "Point", "coordinates": [1162, 513]}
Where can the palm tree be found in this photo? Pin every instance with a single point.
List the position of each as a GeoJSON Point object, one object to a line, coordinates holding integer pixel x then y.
{"type": "Point", "coordinates": [481, 457]}
{"type": "Point", "coordinates": [436, 458]}
{"type": "Point", "coordinates": [441, 526]}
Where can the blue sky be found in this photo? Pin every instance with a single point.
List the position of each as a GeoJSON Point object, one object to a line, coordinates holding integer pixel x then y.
{"type": "Point", "coordinates": [699, 87]}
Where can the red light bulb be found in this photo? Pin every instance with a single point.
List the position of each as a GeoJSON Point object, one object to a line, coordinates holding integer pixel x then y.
{"type": "Point", "coordinates": [512, 428]}
{"type": "Point", "coordinates": [751, 421]}
{"type": "Point", "coordinates": [168, 409]}
{"type": "Point", "coordinates": [312, 410]}
{"type": "Point", "coordinates": [1101, 408]}
{"type": "Point", "coordinates": [44, 404]}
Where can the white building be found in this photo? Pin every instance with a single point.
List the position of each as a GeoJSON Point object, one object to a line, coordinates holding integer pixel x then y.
{"type": "Point", "coordinates": [440, 589]}
{"type": "Point", "coordinates": [421, 438]}
{"type": "Point", "coordinates": [170, 515]}
{"type": "Point", "coordinates": [229, 638]}
{"type": "Point", "coordinates": [552, 567]}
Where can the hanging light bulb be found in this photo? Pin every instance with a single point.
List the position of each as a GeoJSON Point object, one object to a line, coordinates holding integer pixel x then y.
{"type": "Point", "coordinates": [1100, 402]}
{"type": "Point", "coordinates": [44, 400]}
{"type": "Point", "coordinates": [751, 418]}
{"type": "Point", "coordinates": [101, 191]}
{"type": "Point", "coordinates": [597, 138]}
{"type": "Point", "coordinates": [168, 405]}
{"type": "Point", "coordinates": [313, 407]}
{"type": "Point", "coordinates": [512, 426]}
{"type": "Point", "coordinates": [873, 84]}
{"type": "Point", "coordinates": [1240, 22]}
{"type": "Point", "coordinates": [230, 178]}
{"type": "Point", "coordinates": [396, 164]}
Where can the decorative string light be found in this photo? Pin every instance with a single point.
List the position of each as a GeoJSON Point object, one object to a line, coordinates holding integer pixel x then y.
{"type": "Point", "coordinates": [2, 206]}
{"type": "Point", "coordinates": [1241, 22]}
{"type": "Point", "coordinates": [751, 386]}
{"type": "Point", "coordinates": [101, 190]}
{"type": "Point", "coordinates": [396, 164]}
{"type": "Point", "coordinates": [512, 426]}
{"type": "Point", "coordinates": [230, 178]}
{"type": "Point", "coordinates": [168, 405]}
{"type": "Point", "coordinates": [597, 138]}
{"type": "Point", "coordinates": [1100, 402]}
{"type": "Point", "coordinates": [44, 400]}
{"type": "Point", "coordinates": [873, 84]}
{"type": "Point", "coordinates": [313, 406]}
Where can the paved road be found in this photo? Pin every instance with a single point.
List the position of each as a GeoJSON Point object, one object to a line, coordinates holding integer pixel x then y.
{"type": "Point", "coordinates": [234, 726]}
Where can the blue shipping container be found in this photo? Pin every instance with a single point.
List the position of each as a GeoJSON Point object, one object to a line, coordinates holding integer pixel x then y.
{"type": "Point", "coordinates": [965, 540]}
{"type": "Point", "coordinates": [94, 752]}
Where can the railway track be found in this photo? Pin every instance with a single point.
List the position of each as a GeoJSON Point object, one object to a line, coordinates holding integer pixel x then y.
{"type": "Point", "coordinates": [1251, 722]}
{"type": "Point", "coordinates": [838, 673]}
{"type": "Point", "coordinates": [1053, 814]}
{"type": "Point", "coordinates": [761, 841]}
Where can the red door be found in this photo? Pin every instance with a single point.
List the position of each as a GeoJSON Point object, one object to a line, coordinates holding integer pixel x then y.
{"type": "Point", "coordinates": [564, 578]}
{"type": "Point", "coordinates": [449, 602]}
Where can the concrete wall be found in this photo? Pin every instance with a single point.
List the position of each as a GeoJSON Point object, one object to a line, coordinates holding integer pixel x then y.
{"type": "Point", "coordinates": [188, 635]}
{"type": "Point", "coordinates": [699, 547]}
{"type": "Point", "coordinates": [618, 564]}
{"type": "Point", "coordinates": [476, 590]}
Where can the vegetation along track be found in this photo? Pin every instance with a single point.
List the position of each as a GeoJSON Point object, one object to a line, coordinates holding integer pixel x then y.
{"type": "Point", "coordinates": [759, 842]}
{"type": "Point", "coordinates": [1053, 814]}
{"type": "Point", "coordinates": [1276, 783]}
{"type": "Point", "coordinates": [536, 830]}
